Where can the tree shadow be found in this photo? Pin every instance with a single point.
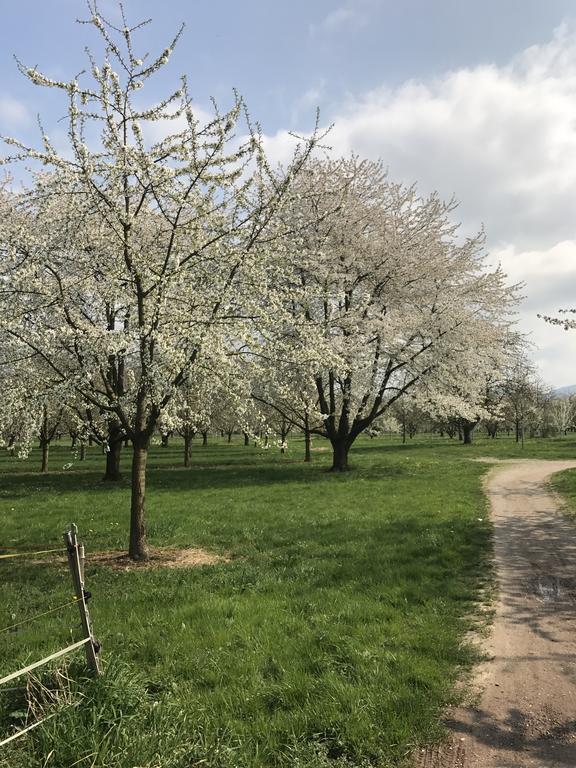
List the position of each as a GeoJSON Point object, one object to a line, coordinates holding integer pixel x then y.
{"type": "Point", "coordinates": [543, 736]}
{"type": "Point", "coordinates": [196, 477]}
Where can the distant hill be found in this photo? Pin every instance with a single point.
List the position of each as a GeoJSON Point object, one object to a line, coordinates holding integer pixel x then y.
{"type": "Point", "coordinates": [564, 391]}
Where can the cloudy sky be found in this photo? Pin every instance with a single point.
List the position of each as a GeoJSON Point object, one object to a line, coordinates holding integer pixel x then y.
{"type": "Point", "coordinates": [476, 100]}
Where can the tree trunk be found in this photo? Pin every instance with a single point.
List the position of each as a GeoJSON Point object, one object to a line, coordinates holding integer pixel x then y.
{"type": "Point", "coordinates": [165, 437]}
{"type": "Point", "coordinates": [45, 445]}
{"type": "Point", "coordinates": [44, 440]}
{"type": "Point", "coordinates": [114, 452]}
{"type": "Point", "coordinates": [138, 549]}
{"type": "Point", "coordinates": [467, 430]}
{"type": "Point", "coordinates": [82, 450]}
{"type": "Point", "coordinates": [204, 439]}
{"type": "Point", "coordinates": [284, 429]}
{"type": "Point", "coordinates": [340, 450]}
{"type": "Point", "coordinates": [113, 455]}
{"type": "Point", "coordinates": [246, 438]}
{"type": "Point", "coordinates": [307, 440]}
{"type": "Point", "coordinates": [307, 446]}
{"type": "Point", "coordinates": [187, 447]}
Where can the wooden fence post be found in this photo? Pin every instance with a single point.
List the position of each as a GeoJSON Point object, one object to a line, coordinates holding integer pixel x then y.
{"type": "Point", "coordinates": [76, 564]}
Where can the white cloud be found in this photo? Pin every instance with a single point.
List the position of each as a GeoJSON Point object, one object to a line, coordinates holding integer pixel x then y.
{"type": "Point", "coordinates": [339, 18]}
{"type": "Point", "coordinates": [559, 261]}
{"type": "Point", "coordinates": [12, 113]}
{"type": "Point", "coordinates": [280, 147]}
{"type": "Point", "coordinates": [354, 13]}
{"type": "Point", "coordinates": [548, 278]}
{"type": "Point", "coordinates": [308, 102]}
{"type": "Point", "coordinates": [502, 140]}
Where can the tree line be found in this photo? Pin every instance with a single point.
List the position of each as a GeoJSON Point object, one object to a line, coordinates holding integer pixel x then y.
{"type": "Point", "coordinates": [160, 270]}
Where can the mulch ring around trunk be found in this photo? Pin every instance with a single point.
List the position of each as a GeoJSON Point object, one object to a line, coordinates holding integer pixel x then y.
{"type": "Point", "coordinates": [160, 557]}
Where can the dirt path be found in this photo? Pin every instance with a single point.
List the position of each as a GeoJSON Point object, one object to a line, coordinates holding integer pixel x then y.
{"type": "Point", "coordinates": [526, 712]}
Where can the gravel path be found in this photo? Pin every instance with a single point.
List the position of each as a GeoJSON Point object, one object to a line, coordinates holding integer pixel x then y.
{"type": "Point", "coordinates": [526, 712]}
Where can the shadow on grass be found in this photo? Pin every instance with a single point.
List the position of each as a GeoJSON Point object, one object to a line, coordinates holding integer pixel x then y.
{"type": "Point", "coordinates": [196, 477]}
{"type": "Point", "coordinates": [406, 560]}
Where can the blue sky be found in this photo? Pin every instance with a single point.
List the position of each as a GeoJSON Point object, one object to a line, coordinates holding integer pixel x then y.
{"type": "Point", "coordinates": [288, 57]}
{"type": "Point", "coordinates": [475, 99]}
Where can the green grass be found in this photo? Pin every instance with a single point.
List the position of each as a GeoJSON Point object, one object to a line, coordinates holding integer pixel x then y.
{"type": "Point", "coordinates": [564, 484]}
{"type": "Point", "coordinates": [333, 636]}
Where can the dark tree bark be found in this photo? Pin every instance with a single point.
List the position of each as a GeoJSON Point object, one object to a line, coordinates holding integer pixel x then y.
{"type": "Point", "coordinates": [307, 446]}
{"type": "Point", "coordinates": [138, 549]}
{"type": "Point", "coordinates": [45, 445]}
{"type": "Point", "coordinates": [188, 438]}
{"type": "Point", "coordinates": [340, 449]}
{"type": "Point", "coordinates": [284, 430]}
{"type": "Point", "coordinates": [246, 438]}
{"type": "Point", "coordinates": [113, 454]}
{"type": "Point", "coordinates": [492, 429]}
{"type": "Point", "coordinates": [307, 440]}
{"type": "Point", "coordinates": [468, 428]}
{"type": "Point", "coordinates": [230, 433]}
{"type": "Point", "coordinates": [47, 435]}
{"type": "Point", "coordinates": [204, 438]}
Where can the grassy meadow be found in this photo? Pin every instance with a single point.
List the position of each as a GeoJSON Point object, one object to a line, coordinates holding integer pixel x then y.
{"type": "Point", "coordinates": [332, 634]}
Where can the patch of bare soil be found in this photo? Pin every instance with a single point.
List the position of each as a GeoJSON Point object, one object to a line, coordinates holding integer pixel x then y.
{"type": "Point", "coordinates": [524, 711]}
{"type": "Point", "coordinates": [160, 557]}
